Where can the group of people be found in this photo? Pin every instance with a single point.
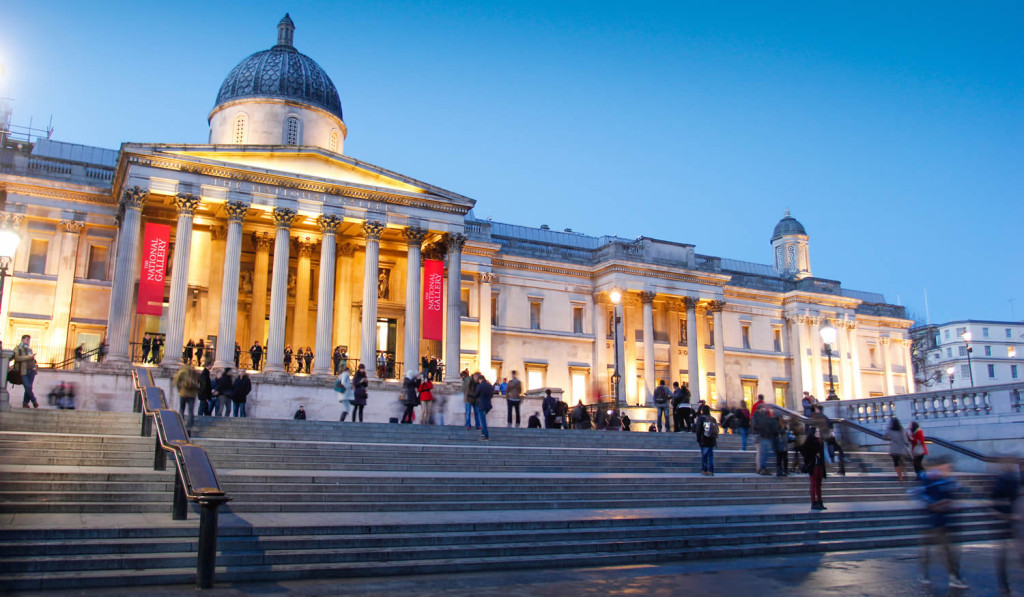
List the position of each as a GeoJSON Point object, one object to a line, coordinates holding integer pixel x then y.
{"type": "Point", "coordinates": [432, 367]}
{"type": "Point", "coordinates": [303, 359]}
{"type": "Point", "coordinates": [199, 350]}
{"type": "Point", "coordinates": [674, 408]}
{"type": "Point", "coordinates": [223, 396]}
{"type": "Point", "coordinates": [153, 348]}
{"type": "Point", "coordinates": [906, 445]}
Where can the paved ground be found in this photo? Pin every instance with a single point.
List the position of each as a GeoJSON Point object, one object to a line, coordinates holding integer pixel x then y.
{"type": "Point", "coordinates": [889, 573]}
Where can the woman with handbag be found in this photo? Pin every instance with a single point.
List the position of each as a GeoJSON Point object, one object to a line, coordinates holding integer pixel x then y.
{"type": "Point", "coordinates": [426, 399]}
{"type": "Point", "coordinates": [899, 446]}
{"type": "Point", "coordinates": [813, 452]}
{"type": "Point", "coordinates": [918, 449]}
{"type": "Point", "coordinates": [343, 386]}
{"type": "Point", "coordinates": [359, 384]}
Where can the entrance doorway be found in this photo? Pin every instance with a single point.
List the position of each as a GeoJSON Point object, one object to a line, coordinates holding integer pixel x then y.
{"type": "Point", "coordinates": [387, 344]}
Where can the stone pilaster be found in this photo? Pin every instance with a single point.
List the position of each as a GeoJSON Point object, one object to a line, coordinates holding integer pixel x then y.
{"type": "Point", "coordinates": [261, 241]}
{"type": "Point", "coordinates": [69, 239]}
{"type": "Point", "coordinates": [692, 356]}
{"type": "Point", "coordinates": [883, 347]}
{"type": "Point", "coordinates": [14, 222]}
{"type": "Point", "coordinates": [484, 353]}
{"type": "Point", "coordinates": [343, 295]}
{"type": "Point", "coordinates": [125, 268]}
{"type": "Point", "coordinates": [300, 322]}
{"type": "Point", "coordinates": [600, 373]}
{"type": "Point", "coordinates": [716, 307]}
{"type": "Point", "coordinates": [414, 238]}
{"type": "Point", "coordinates": [372, 230]}
{"type": "Point", "coordinates": [227, 331]}
{"type": "Point", "coordinates": [322, 364]}
{"type": "Point", "coordinates": [796, 351]}
{"type": "Point", "coordinates": [283, 218]}
{"type": "Point", "coordinates": [453, 327]}
{"type": "Point", "coordinates": [186, 203]}
{"type": "Point", "coordinates": [647, 300]}
{"type": "Point", "coordinates": [817, 371]}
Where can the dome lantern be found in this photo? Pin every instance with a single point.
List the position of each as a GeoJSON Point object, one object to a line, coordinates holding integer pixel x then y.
{"type": "Point", "coordinates": [790, 249]}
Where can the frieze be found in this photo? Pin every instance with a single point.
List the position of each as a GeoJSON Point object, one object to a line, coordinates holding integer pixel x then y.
{"type": "Point", "coordinates": [61, 194]}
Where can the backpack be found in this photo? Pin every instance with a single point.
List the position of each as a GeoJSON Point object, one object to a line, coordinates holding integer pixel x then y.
{"type": "Point", "coordinates": [710, 428]}
{"type": "Point", "coordinates": [660, 396]}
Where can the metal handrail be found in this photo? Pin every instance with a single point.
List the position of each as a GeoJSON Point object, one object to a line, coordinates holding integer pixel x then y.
{"type": "Point", "coordinates": [196, 478]}
{"type": "Point", "coordinates": [928, 438]}
{"type": "Point", "coordinates": [72, 360]}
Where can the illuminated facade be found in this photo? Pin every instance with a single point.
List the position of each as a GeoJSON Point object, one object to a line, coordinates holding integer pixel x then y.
{"type": "Point", "coordinates": [291, 242]}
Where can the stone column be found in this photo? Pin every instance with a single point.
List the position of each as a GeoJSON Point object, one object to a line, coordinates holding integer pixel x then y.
{"type": "Point", "coordinates": [174, 340]}
{"type": "Point", "coordinates": [858, 382]}
{"type": "Point", "coordinates": [372, 230]}
{"type": "Point", "coordinates": [261, 241]}
{"type": "Point", "coordinates": [300, 318]}
{"type": "Point", "coordinates": [126, 264]}
{"type": "Point", "coordinates": [227, 331]}
{"type": "Point", "coordinates": [484, 333]}
{"type": "Point", "coordinates": [69, 240]}
{"type": "Point", "coordinates": [692, 360]}
{"type": "Point", "coordinates": [323, 364]}
{"type": "Point", "coordinates": [817, 372]}
{"type": "Point", "coordinates": [796, 352]}
{"type": "Point", "coordinates": [343, 296]}
{"type": "Point", "coordinates": [453, 327]}
{"type": "Point", "coordinates": [883, 344]}
{"type": "Point", "coordinates": [630, 375]}
{"type": "Point", "coordinates": [647, 302]}
{"type": "Point", "coordinates": [908, 366]}
{"type": "Point", "coordinates": [675, 353]}
{"type": "Point", "coordinates": [283, 217]}
{"type": "Point", "coordinates": [13, 222]}
{"type": "Point", "coordinates": [600, 373]}
{"type": "Point", "coordinates": [716, 308]}
{"type": "Point", "coordinates": [414, 238]}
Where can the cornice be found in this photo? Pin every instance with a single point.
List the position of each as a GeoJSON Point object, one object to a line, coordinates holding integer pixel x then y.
{"type": "Point", "coordinates": [734, 292]}
{"type": "Point", "coordinates": [650, 271]}
{"type": "Point", "coordinates": [64, 194]}
{"type": "Point", "coordinates": [824, 300]}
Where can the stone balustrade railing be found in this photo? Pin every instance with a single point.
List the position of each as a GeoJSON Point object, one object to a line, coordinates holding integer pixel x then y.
{"type": "Point", "coordinates": [983, 401]}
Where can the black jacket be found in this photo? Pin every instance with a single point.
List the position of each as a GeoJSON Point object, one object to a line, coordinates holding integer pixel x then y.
{"type": "Point", "coordinates": [242, 388]}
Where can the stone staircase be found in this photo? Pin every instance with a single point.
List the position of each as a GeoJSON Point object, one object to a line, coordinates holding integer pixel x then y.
{"type": "Point", "coordinates": [320, 500]}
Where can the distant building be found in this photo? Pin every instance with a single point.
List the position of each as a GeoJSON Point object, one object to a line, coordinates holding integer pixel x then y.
{"type": "Point", "coordinates": [995, 356]}
{"type": "Point", "coordinates": [289, 241]}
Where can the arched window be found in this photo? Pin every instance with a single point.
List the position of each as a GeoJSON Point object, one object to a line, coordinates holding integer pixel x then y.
{"type": "Point", "coordinates": [332, 144]}
{"type": "Point", "coordinates": [240, 129]}
{"type": "Point", "coordinates": [292, 131]}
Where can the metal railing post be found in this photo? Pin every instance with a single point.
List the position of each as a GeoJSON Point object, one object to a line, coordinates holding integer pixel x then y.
{"type": "Point", "coordinates": [147, 425]}
{"type": "Point", "coordinates": [179, 508]}
{"type": "Point", "coordinates": [160, 457]}
{"type": "Point", "coordinates": [206, 559]}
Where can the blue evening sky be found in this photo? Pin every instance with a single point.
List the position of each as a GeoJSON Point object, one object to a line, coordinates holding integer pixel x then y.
{"type": "Point", "coordinates": [893, 131]}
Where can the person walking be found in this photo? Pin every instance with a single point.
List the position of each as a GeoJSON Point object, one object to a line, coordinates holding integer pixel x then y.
{"type": "Point", "coordinates": [513, 397]}
{"type": "Point", "coordinates": [813, 452]}
{"type": "Point", "coordinates": [256, 354]}
{"type": "Point", "coordinates": [25, 364]}
{"type": "Point", "coordinates": [288, 358]}
{"type": "Point", "coordinates": [661, 402]}
{"type": "Point", "coordinates": [938, 492]}
{"type": "Point", "coordinates": [426, 399]}
{"type": "Point", "coordinates": [707, 439]}
{"type": "Point", "coordinates": [223, 391]}
{"type": "Point", "coordinates": [741, 416]}
{"type": "Point", "coordinates": [899, 446]}
{"type": "Point", "coordinates": [343, 386]}
{"type": "Point", "coordinates": [761, 427]}
{"type": "Point", "coordinates": [359, 385]}
{"type": "Point", "coordinates": [308, 359]}
{"type": "Point", "coordinates": [205, 394]}
{"type": "Point", "coordinates": [1005, 494]}
{"type": "Point", "coordinates": [549, 405]}
{"type": "Point", "coordinates": [412, 398]}
{"type": "Point", "coordinates": [482, 406]}
{"type": "Point", "coordinates": [243, 385]}
{"type": "Point", "coordinates": [186, 381]}
{"type": "Point", "coordinates": [918, 449]}
{"type": "Point", "coordinates": [469, 383]}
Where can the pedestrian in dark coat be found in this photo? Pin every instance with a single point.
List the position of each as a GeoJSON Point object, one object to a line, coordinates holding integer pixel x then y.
{"type": "Point", "coordinates": [410, 388]}
{"type": "Point", "coordinates": [308, 357]}
{"type": "Point", "coordinates": [241, 392]}
{"type": "Point", "coordinates": [813, 452]}
{"type": "Point", "coordinates": [205, 392]}
{"type": "Point", "coordinates": [482, 406]}
{"type": "Point", "coordinates": [359, 384]}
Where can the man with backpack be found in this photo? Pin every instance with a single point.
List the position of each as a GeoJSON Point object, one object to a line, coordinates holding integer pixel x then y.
{"type": "Point", "coordinates": [707, 439]}
{"type": "Point", "coordinates": [662, 403]}
{"type": "Point", "coordinates": [761, 425]}
{"type": "Point", "coordinates": [186, 381]}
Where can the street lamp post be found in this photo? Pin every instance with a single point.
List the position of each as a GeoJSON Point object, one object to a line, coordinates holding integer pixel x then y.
{"type": "Point", "coordinates": [828, 336]}
{"type": "Point", "coordinates": [967, 342]}
{"type": "Point", "coordinates": [949, 371]}
{"type": "Point", "coordinates": [616, 297]}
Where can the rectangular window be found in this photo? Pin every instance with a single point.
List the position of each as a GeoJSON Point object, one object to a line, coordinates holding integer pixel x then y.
{"type": "Point", "coordinates": [1009, 333]}
{"type": "Point", "coordinates": [984, 332]}
{"type": "Point", "coordinates": [38, 249]}
{"type": "Point", "coordinates": [991, 371]}
{"type": "Point", "coordinates": [97, 263]}
{"type": "Point", "coordinates": [949, 352]}
{"type": "Point", "coordinates": [960, 332]}
{"type": "Point", "coordinates": [1013, 371]}
{"type": "Point", "coordinates": [777, 340]}
{"type": "Point", "coordinates": [464, 302]}
{"type": "Point", "coordinates": [1011, 351]}
{"type": "Point", "coordinates": [947, 334]}
{"type": "Point", "coordinates": [712, 396]}
{"type": "Point", "coordinates": [938, 339]}
{"type": "Point", "coordinates": [780, 394]}
{"type": "Point", "coordinates": [579, 386]}
{"type": "Point", "coordinates": [534, 315]}
{"type": "Point", "coordinates": [534, 378]}
{"type": "Point", "coordinates": [965, 371]}
{"type": "Point", "coordinates": [988, 351]}
{"type": "Point", "coordinates": [577, 320]}
{"type": "Point", "coordinates": [746, 336]}
{"type": "Point", "coordinates": [962, 350]}
{"type": "Point", "coordinates": [494, 309]}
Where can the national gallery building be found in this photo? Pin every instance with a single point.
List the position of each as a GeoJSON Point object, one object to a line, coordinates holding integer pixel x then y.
{"type": "Point", "coordinates": [275, 236]}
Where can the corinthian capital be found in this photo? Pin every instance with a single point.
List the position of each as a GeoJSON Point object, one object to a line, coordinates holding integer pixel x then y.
{"type": "Point", "coordinates": [186, 204]}
{"type": "Point", "coordinates": [72, 226]}
{"type": "Point", "coordinates": [134, 198]}
{"type": "Point", "coordinates": [647, 297]}
{"type": "Point", "coordinates": [328, 224]}
{"type": "Point", "coordinates": [236, 210]}
{"type": "Point", "coordinates": [372, 229]}
{"type": "Point", "coordinates": [455, 242]}
{"type": "Point", "coordinates": [690, 302]}
{"type": "Point", "coordinates": [283, 217]}
{"type": "Point", "coordinates": [262, 241]}
{"type": "Point", "coordinates": [487, 277]}
{"type": "Point", "coordinates": [305, 245]}
{"type": "Point", "coordinates": [414, 236]}
{"type": "Point", "coordinates": [345, 249]}
{"type": "Point", "coordinates": [716, 306]}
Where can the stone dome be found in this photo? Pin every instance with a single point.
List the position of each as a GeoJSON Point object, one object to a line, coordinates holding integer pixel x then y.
{"type": "Point", "coordinates": [282, 72]}
{"type": "Point", "coordinates": [788, 226]}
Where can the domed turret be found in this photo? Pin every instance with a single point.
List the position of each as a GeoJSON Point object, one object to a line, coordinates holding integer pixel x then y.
{"type": "Point", "coordinates": [790, 246]}
{"type": "Point", "coordinates": [278, 97]}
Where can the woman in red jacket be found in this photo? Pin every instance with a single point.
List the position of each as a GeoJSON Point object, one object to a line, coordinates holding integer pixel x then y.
{"type": "Point", "coordinates": [426, 399]}
{"type": "Point", "coordinates": [917, 448]}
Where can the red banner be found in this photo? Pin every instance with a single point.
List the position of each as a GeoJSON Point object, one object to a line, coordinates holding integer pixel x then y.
{"type": "Point", "coordinates": [154, 264]}
{"type": "Point", "coordinates": [433, 299]}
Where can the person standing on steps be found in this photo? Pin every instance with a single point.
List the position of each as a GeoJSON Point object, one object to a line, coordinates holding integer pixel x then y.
{"type": "Point", "coordinates": [300, 415]}
{"type": "Point", "coordinates": [469, 383]}
{"type": "Point", "coordinates": [288, 358]}
{"type": "Point", "coordinates": [238, 354]}
{"type": "Point", "coordinates": [256, 354]}
{"type": "Point", "coordinates": [243, 385]}
{"type": "Point", "coordinates": [308, 359]}
{"type": "Point", "coordinates": [707, 439]}
{"type": "Point", "coordinates": [513, 397]}
{"type": "Point", "coordinates": [813, 452]}
{"type": "Point", "coordinates": [661, 402]}
{"type": "Point", "coordinates": [343, 386]}
{"type": "Point", "coordinates": [549, 405]}
{"type": "Point", "coordinates": [224, 391]}
{"type": "Point", "coordinates": [300, 355]}
{"type": "Point", "coordinates": [411, 396]}
{"type": "Point", "coordinates": [917, 447]}
{"type": "Point", "coordinates": [899, 446]}
{"type": "Point", "coordinates": [426, 390]}
{"type": "Point", "coordinates": [482, 406]}
{"type": "Point", "coordinates": [147, 344]}
{"type": "Point", "coordinates": [359, 385]}
{"type": "Point", "coordinates": [25, 364]}
{"type": "Point", "coordinates": [741, 416]}
{"type": "Point", "coordinates": [186, 381]}
{"type": "Point", "coordinates": [205, 394]}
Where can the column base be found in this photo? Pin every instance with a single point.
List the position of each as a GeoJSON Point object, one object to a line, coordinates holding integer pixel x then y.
{"type": "Point", "coordinates": [273, 368]}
